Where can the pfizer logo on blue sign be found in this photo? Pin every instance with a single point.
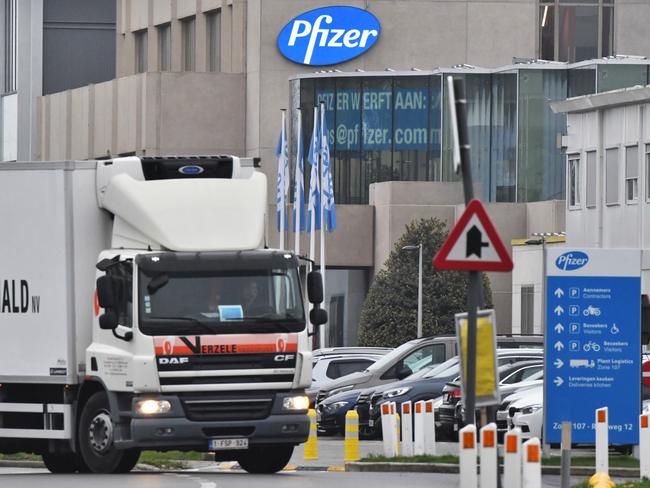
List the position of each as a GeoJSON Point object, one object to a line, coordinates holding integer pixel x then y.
{"type": "Point", "coordinates": [328, 35]}
{"type": "Point", "coordinates": [570, 261]}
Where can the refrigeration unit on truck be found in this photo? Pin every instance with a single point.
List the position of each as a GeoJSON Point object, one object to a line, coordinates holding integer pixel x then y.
{"type": "Point", "coordinates": [141, 309]}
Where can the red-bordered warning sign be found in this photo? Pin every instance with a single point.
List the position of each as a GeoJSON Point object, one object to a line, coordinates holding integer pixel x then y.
{"type": "Point", "coordinates": [473, 244]}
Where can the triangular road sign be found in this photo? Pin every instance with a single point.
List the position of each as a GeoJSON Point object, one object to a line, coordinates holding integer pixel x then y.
{"type": "Point", "coordinates": [473, 244]}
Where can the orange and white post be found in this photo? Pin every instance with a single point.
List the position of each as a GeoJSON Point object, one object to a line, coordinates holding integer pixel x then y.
{"type": "Point", "coordinates": [644, 445]}
{"type": "Point", "coordinates": [407, 429]}
{"type": "Point", "coordinates": [388, 430]}
{"type": "Point", "coordinates": [512, 459]}
{"type": "Point", "coordinates": [418, 428]}
{"type": "Point", "coordinates": [602, 440]}
{"type": "Point", "coordinates": [488, 456]}
{"type": "Point", "coordinates": [532, 466]}
{"type": "Point", "coordinates": [467, 455]}
{"type": "Point", "coordinates": [429, 422]}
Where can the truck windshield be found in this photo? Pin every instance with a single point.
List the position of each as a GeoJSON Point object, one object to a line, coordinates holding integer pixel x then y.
{"type": "Point", "coordinates": [219, 293]}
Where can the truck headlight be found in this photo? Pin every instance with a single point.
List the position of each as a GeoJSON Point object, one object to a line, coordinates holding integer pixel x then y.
{"type": "Point", "coordinates": [296, 403]}
{"type": "Point", "coordinates": [152, 407]}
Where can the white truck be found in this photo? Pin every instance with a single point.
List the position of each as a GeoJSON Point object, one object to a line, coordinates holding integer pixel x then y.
{"type": "Point", "coordinates": [141, 309]}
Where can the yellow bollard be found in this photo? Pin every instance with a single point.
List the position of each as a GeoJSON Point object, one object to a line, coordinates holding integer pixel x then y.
{"type": "Point", "coordinates": [351, 436]}
{"type": "Point", "coordinates": [601, 480]}
{"type": "Point", "coordinates": [311, 446]}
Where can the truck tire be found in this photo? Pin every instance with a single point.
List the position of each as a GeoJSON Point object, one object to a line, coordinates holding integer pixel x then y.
{"type": "Point", "coordinates": [266, 459]}
{"type": "Point", "coordinates": [96, 439]}
{"type": "Point", "coordinates": [60, 463]}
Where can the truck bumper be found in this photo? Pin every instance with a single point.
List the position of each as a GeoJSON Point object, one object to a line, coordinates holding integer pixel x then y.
{"type": "Point", "coordinates": [178, 431]}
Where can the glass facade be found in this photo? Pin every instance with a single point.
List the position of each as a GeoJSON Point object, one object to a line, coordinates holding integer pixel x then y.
{"type": "Point", "coordinates": [395, 127]}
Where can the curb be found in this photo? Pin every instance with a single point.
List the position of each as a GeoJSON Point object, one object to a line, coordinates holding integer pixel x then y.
{"type": "Point", "coordinates": [453, 468]}
{"type": "Point", "coordinates": [10, 463]}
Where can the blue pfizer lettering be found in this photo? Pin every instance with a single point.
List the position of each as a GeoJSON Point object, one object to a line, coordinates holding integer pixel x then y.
{"type": "Point", "coordinates": [570, 261]}
{"type": "Point", "coordinates": [328, 35]}
{"type": "Point", "coordinates": [190, 170]}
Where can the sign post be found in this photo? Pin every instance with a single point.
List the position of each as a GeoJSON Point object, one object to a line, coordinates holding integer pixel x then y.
{"type": "Point", "coordinates": [593, 343]}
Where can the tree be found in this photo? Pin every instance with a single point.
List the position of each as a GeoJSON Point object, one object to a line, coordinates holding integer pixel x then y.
{"type": "Point", "coordinates": [389, 314]}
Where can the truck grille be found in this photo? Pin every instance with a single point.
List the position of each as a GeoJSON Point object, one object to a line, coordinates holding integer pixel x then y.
{"type": "Point", "coordinates": [220, 408]}
{"type": "Point", "coordinates": [216, 372]}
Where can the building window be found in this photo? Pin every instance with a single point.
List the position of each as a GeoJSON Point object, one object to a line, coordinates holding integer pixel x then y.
{"type": "Point", "coordinates": [611, 176]}
{"type": "Point", "coordinates": [10, 46]}
{"type": "Point", "coordinates": [141, 51]}
{"type": "Point", "coordinates": [632, 174]}
{"type": "Point", "coordinates": [214, 40]}
{"type": "Point", "coordinates": [165, 47]}
{"type": "Point", "coordinates": [573, 31]}
{"type": "Point", "coordinates": [188, 32]}
{"type": "Point", "coordinates": [527, 309]}
{"type": "Point", "coordinates": [574, 181]}
{"type": "Point", "coordinates": [592, 190]}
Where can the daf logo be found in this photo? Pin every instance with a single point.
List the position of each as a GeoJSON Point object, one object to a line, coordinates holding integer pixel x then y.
{"type": "Point", "coordinates": [191, 169]}
{"type": "Point", "coordinates": [175, 360]}
{"type": "Point", "coordinates": [283, 357]}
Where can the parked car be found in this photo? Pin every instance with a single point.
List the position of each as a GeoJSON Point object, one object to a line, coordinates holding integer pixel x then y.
{"type": "Point", "coordinates": [428, 387]}
{"type": "Point", "coordinates": [527, 413]}
{"type": "Point", "coordinates": [502, 415]}
{"type": "Point", "coordinates": [521, 374]}
{"type": "Point", "coordinates": [330, 413]}
{"type": "Point", "coordinates": [409, 358]}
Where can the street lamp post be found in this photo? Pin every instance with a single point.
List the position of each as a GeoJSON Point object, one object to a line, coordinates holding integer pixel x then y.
{"type": "Point", "coordinates": [419, 248]}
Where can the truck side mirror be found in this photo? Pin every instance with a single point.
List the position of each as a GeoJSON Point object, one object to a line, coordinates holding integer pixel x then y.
{"type": "Point", "coordinates": [315, 289]}
{"type": "Point", "coordinates": [105, 294]}
{"type": "Point", "coordinates": [318, 316]}
{"type": "Point", "coordinates": [108, 320]}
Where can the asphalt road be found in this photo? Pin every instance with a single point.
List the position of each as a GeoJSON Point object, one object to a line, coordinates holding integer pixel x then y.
{"type": "Point", "coordinates": [38, 478]}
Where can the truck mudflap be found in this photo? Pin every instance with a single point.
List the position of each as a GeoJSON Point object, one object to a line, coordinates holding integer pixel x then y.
{"type": "Point", "coordinates": [192, 422]}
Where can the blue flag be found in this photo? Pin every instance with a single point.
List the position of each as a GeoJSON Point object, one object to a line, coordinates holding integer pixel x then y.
{"type": "Point", "coordinates": [299, 189]}
{"type": "Point", "coordinates": [329, 210]}
{"type": "Point", "coordinates": [314, 177]}
{"type": "Point", "coordinates": [282, 153]}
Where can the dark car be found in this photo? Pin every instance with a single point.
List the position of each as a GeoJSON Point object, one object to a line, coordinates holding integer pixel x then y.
{"type": "Point", "coordinates": [511, 377]}
{"type": "Point", "coordinates": [330, 413]}
{"type": "Point", "coordinates": [430, 386]}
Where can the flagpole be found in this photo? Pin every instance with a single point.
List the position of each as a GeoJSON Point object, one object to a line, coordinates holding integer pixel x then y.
{"type": "Point", "coordinates": [322, 217]}
{"type": "Point", "coordinates": [282, 182]}
{"type": "Point", "coordinates": [312, 214]}
{"type": "Point", "coordinates": [297, 203]}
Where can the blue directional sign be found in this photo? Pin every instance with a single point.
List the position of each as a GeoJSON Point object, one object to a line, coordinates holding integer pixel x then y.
{"type": "Point", "coordinates": [593, 343]}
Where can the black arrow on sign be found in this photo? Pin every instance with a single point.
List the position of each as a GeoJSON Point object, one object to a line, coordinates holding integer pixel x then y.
{"type": "Point", "coordinates": [475, 242]}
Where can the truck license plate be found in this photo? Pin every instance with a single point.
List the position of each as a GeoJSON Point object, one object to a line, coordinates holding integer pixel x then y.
{"type": "Point", "coordinates": [227, 444]}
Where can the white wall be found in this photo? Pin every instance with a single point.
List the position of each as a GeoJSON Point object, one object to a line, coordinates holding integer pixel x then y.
{"type": "Point", "coordinates": [9, 127]}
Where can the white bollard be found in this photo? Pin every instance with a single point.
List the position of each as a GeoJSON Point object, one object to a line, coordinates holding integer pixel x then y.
{"type": "Point", "coordinates": [488, 456]}
{"type": "Point", "coordinates": [512, 459]}
{"type": "Point", "coordinates": [467, 445]}
{"type": "Point", "coordinates": [407, 429]}
{"type": "Point", "coordinates": [602, 440]}
{"type": "Point", "coordinates": [644, 445]}
{"type": "Point", "coordinates": [418, 426]}
{"type": "Point", "coordinates": [388, 430]}
{"type": "Point", "coordinates": [532, 466]}
{"type": "Point", "coordinates": [429, 426]}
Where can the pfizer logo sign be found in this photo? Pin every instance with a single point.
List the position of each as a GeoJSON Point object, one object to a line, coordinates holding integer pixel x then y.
{"type": "Point", "coordinates": [570, 261]}
{"type": "Point", "coordinates": [328, 35]}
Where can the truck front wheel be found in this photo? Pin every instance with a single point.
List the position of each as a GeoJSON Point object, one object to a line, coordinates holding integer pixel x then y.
{"type": "Point", "coordinates": [266, 459]}
{"type": "Point", "coordinates": [62, 462]}
{"type": "Point", "coordinates": [96, 436]}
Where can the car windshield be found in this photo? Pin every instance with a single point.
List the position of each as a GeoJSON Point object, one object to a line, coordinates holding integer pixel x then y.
{"type": "Point", "coordinates": [219, 293]}
{"type": "Point", "coordinates": [390, 357]}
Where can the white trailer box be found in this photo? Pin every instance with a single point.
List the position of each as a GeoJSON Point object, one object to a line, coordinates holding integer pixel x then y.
{"type": "Point", "coordinates": [51, 237]}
